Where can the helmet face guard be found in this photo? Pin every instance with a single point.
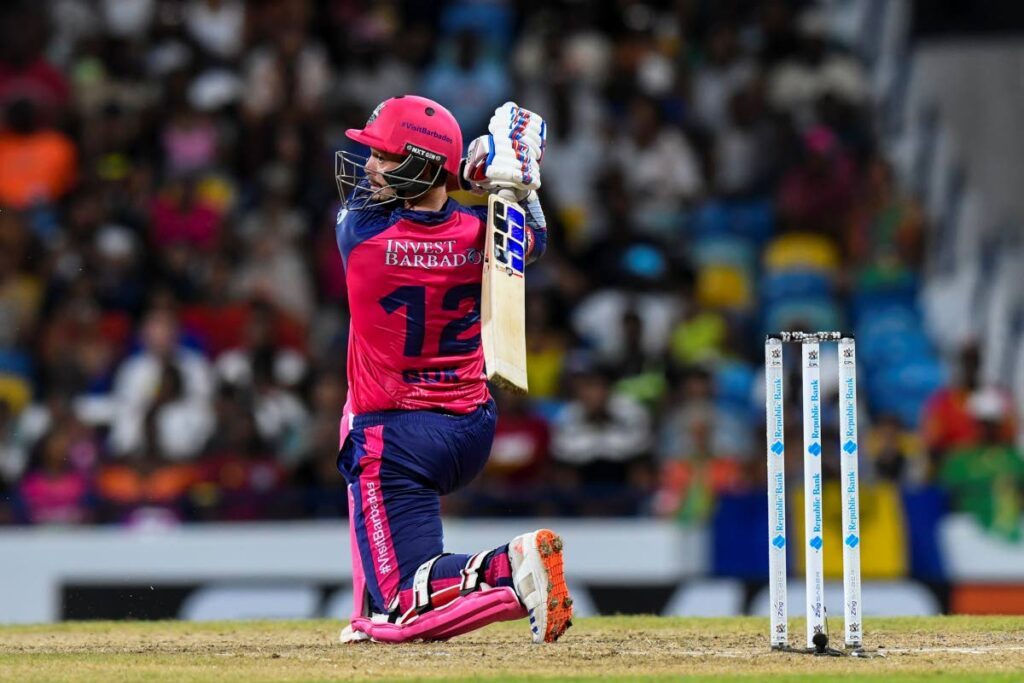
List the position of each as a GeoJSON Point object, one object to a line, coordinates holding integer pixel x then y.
{"type": "Point", "coordinates": [404, 182]}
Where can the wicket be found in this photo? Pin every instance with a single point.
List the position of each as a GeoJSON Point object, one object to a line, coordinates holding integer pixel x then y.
{"type": "Point", "coordinates": [812, 452]}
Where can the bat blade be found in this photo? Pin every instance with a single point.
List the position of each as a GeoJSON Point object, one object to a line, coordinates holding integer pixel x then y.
{"type": "Point", "coordinates": [503, 305]}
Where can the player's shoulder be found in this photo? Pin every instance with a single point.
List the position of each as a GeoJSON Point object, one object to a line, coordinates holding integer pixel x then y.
{"type": "Point", "coordinates": [478, 211]}
{"type": "Point", "coordinates": [365, 218]}
{"type": "Point", "coordinates": [451, 209]}
{"type": "Point", "coordinates": [354, 227]}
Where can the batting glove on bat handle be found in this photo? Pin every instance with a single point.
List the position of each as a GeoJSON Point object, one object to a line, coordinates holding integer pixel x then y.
{"type": "Point", "coordinates": [492, 165]}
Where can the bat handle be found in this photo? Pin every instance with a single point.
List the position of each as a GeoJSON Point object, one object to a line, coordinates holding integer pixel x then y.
{"type": "Point", "coordinates": [508, 195]}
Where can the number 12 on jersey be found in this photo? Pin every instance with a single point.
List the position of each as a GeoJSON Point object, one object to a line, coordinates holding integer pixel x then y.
{"type": "Point", "coordinates": [503, 308]}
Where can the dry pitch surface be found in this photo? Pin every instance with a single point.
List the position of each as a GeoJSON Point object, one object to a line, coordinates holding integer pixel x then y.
{"type": "Point", "coordinates": [607, 648]}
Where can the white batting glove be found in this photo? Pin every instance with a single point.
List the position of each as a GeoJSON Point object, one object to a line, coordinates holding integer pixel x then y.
{"type": "Point", "coordinates": [508, 158]}
{"type": "Point", "coordinates": [522, 126]}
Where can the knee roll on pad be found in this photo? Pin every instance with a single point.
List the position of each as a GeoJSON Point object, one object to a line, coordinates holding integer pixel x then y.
{"type": "Point", "coordinates": [461, 615]}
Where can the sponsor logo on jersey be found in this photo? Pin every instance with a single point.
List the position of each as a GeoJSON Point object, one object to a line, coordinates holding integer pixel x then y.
{"type": "Point", "coordinates": [429, 255]}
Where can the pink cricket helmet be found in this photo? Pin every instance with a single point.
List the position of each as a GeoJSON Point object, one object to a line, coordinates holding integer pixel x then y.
{"type": "Point", "coordinates": [409, 124]}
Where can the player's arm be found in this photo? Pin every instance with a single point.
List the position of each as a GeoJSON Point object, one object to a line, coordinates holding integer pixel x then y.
{"type": "Point", "coordinates": [536, 227]}
{"type": "Point", "coordinates": [507, 161]}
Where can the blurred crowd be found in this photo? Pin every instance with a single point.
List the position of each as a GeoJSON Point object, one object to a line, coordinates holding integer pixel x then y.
{"type": "Point", "coordinates": [174, 310]}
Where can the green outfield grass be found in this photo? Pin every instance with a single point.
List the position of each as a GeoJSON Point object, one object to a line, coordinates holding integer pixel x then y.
{"type": "Point", "coordinates": [605, 649]}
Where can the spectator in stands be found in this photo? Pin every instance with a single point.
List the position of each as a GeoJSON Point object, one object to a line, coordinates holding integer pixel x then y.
{"type": "Point", "coordinates": [13, 451]}
{"type": "Point", "coordinates": [723, 73]}
{"type": "Point", "coordinates": [57, 486]}
{"type": "Point", "coordinates": [777, 27]}
{"type": "Point", "coordinates": [189, 142]}
{"type": "Point", "coordinates": [895, 452]}
{"type": "Point", "coordinates": [699, 428]}
{"type": "Point", "coordinates": [117, 268]}
{"type": "Point", "coordinates": [78, 346]}
{"type": "Point", "coordinates": [153, 483]}
{"type": "Point", "coordinates": [24, 69]}
{"type": "Point", "coordinates": [661, 171]}
{"type": "Point", "coordinates": [471, 81]}
{"type": "Point", "coordinates": [291, 74]}
{"type": "Point", "coordinates": [640, 375]}
{"type": "Point", "coordinates": [21, 291]}
{"type": "Point", "coordinates": [37, 164]}
{"type": "Point", "coordinates": [217, 26]}
{"type": "Point", "coordinates": [699, 337]}
{"type": "Point", "coordinates": [280, 417]}
{"type": "Point", "coordinates": [948, 423]}
{"type": "Point", "coordinates": [165, 388]}
{"type": "Point", "coordinates": [261, 342]}
{"type": "Point", "coordinates": [378, 66]}
{"type": "Point", "coordinates": [29, 423]}
{"type": "Point", "coordinates": [180, 217]}
{"type": "Point", "coordinates": [513, 481]}
{"type": "Point", "coordinates": [546, 346]}
{"type": "Point", "coordinates": [602, 442]}
{"type": "Point", "coordinates": [814, 70]}
{"type": "Point", "coordinates": [629, 271]}
{"type": "Point", "coordinates": [322, 490]}
{"type": "Point", "coordinates": [744, 153]}
{"type": "Point", "coordinates": [886, 230]}
{"type": "Point", "coordinates": [273, 267]}
{"type": "Point", "coordinates": [813, 194]}
{"type": "Point", "coordinates": [986, 478]}
{"type": "Point", "coordinates": [241, 477]}
{"type": "Point", "coordinates": [574, 158]}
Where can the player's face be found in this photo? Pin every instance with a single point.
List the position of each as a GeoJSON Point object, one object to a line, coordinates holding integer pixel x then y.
{"type": "Point", "coordinates": [379, 163]}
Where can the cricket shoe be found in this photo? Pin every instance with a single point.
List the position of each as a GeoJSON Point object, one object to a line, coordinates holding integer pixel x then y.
{"type": "Point", "coordinates": [348, 635]}
{"type": "Point", "coordinates": [538, 577]}
{"type": "Point", "coordinates": [351, 635]}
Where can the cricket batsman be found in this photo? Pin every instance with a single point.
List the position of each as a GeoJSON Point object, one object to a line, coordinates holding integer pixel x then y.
{"type": "Point", "coordinates": [419, 419]}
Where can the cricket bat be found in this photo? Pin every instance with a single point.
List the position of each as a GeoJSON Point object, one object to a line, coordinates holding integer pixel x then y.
{"type": "Point", "coordinates": [503, 305]}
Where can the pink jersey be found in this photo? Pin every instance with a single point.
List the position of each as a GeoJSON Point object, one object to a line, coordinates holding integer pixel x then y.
{"type": "Point", "coordinates": [414, 294]}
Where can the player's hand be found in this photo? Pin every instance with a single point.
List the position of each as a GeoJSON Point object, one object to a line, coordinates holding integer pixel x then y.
{"type": "Point", "coordinates": [521, 126]}
{"type": "Point", "coordinates": [508, 158]}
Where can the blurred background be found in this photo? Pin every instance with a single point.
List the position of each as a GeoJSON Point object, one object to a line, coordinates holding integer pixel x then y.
{"type": "Point", "coordinates": [174, 321]}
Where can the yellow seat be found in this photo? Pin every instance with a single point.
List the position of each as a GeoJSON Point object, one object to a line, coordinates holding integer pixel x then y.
{"type": "Point", "coordinates": [801, 251]}
{"type": "Point", "coordinates": [724, 287]}
{"type": "Point", "coordinates": [15, 392]}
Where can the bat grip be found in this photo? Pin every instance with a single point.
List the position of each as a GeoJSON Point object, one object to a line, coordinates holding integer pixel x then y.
{"type": "Point", "coordinates": [508, 195]}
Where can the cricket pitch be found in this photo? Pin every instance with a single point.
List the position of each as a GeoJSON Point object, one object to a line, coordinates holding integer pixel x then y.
{"type": "Point", "coordinates": [604, 648]}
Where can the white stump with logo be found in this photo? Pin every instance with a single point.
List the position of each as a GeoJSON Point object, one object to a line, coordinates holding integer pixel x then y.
{"type": "Point", "coordinates": [848, 453]}
{"type": "Point", "coordinates": [813, 536]}
{"type": "Point", "coordinates": [776, 491]}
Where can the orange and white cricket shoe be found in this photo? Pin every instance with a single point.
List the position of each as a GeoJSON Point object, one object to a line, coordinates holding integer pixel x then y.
{"type": "Point", "coordinates": [539, 579]}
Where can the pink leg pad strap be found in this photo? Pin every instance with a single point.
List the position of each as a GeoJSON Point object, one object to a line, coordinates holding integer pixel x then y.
{"type": "Point", "coordinates": [462, 615]}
